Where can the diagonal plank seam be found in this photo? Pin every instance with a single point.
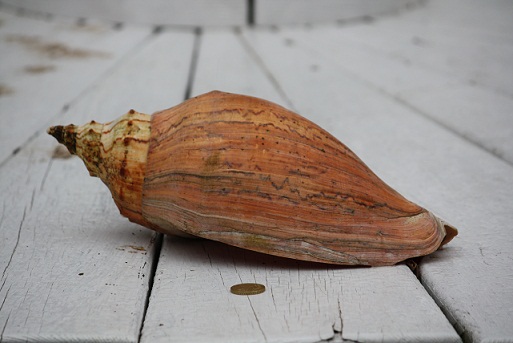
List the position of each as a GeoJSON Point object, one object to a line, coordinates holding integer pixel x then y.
{"type": "Point", "coordinates": [415, 269]}
{"type": "Point", "coordinates": [404, 103]}
{"type": "Point", "coordinates": [266, 71]}
{"type": "Point", "coordinates": [458, 327]}
{"type": "Point", "coordinates": [5, 325]}
{"type": "Point", "coordinates": [198, 33]}
{"type": "Point", "coordinates": [17, 242]}
{"type": "Point", "coordinates": [445, 126]}
{"type": "Point", "coordinates": [160, 237]}
{"type": "Point", "coordinates": [157, 248]}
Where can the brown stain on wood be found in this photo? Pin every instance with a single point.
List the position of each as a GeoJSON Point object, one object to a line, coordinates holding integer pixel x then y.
{"type": "Point", "coordinates": [54, 50]}
{"type": "Point", "coordinates": [87, 27]}
{"type": "Point", "coordinates": [133, 249]}
{"type": "Point", "coordinates": [39, 69]}
{"type": "Point", "coordinates": [5, 90]}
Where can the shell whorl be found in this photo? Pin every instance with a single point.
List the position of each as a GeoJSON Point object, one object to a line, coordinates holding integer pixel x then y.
{"type": "Point", "coordinates": [116, 152]}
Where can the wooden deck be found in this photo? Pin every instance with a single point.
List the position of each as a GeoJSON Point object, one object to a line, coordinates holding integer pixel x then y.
{"type": "Point", "coordinates": [423, 96]}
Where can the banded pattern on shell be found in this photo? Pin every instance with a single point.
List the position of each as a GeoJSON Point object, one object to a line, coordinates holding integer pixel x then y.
{"type": "Point", "coordinates": [249, 173]}
{"type": "Point", "coordinates": [252, 174]}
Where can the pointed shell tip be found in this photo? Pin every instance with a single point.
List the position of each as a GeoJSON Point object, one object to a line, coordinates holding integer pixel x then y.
{"type": "Point", "coordinates": [57, 132]}
{"type": "Point", "coordinates": [65, 135]}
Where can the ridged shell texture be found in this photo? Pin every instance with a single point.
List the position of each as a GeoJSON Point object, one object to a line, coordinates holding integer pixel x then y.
{"type": "Point", "coordinates": [252, 174]}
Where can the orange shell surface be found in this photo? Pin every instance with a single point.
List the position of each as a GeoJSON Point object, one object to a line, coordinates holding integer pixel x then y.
{"type": "Point", "coordinates": [252, 174]}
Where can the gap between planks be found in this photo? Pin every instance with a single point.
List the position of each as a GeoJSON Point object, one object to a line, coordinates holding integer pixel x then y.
{"type": "Point", "coordinates": [160, 237]}
{"type": "Point", "coordinates": [194, 62]}
{"type": "Point", "coordinates": [156, 256]}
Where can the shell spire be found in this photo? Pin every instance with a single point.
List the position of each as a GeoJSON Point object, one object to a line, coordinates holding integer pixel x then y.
{"type": "Point", "coordinates": [249, 173]}
{"type": "Point", "coordinates": [116, 153]}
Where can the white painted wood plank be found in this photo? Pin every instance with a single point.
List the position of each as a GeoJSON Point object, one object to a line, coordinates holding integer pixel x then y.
{"type": "Point", "coordinates": [480, 116]}
{"type": "Point", "coordinates": [476, 112]}
{"type": "Point", "coordinates": [279, 12]}
{"type": "Point", "coordinates": [303, 302]}
{"type": "Point", "coordinates": [469, 40]}
{"type": "Point", "coordinates": [471, 278]}
{"type": "Point", "coordinates": [191, 301]}
{"type": "Point", "coordinates": [154, 12]}
{"type": "Point", "coordinates": [72, 268]}
{"type": "Point", "coordinates": [46, 65]}
{"type": "Point", "coordinates": [225, 64]}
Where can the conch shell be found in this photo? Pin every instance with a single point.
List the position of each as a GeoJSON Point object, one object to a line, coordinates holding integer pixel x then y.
{"type": "Point", "coordinates": [252, 174]}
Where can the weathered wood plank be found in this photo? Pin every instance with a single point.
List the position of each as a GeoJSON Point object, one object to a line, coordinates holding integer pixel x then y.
{"type": "Point", "coordinates": [231, 68]}
{"type": "Point", "coordinates": [72, 268]}
{"type": "Point", "coordinates": [419, 77]}
{"type": "Point", "coordinates": [430, 165]}
{"type": "Point", "coordinates": [481, 116]}
{"type": "Point", "coordinates": [157, 12]}
{"type": "Point", "coordinates": [46, 65]}
{"type": "Point", "coordinates": [279, 12]}
{"type": "Point", "coordinates": [304, 302]}
{"type": "Point", "coordinates": [469, 40]}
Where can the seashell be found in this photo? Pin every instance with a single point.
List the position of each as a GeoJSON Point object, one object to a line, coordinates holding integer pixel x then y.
{"type": "Point", "coordinates": [252, 174]}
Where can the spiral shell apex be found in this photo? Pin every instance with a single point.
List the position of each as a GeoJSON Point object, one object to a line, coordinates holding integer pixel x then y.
{"type": "Point", "coordinates": [252, 174]}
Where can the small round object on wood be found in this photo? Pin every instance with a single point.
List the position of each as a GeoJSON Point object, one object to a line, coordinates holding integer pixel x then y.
{"type": "Point", "coordinates": [247, 289]}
